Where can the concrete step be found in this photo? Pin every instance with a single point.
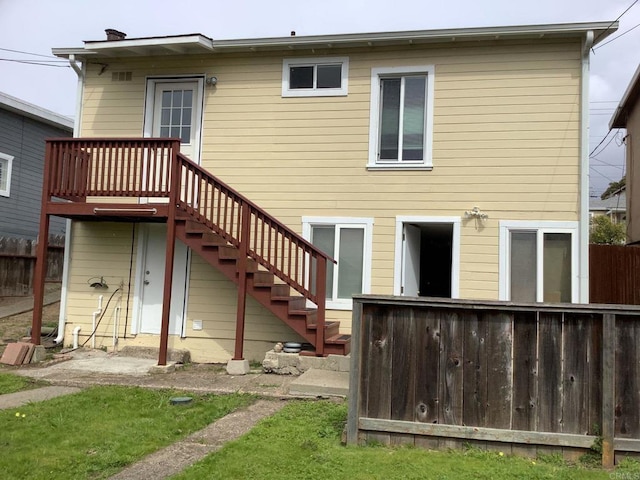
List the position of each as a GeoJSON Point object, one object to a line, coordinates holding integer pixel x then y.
{"type": "Point", "coordinates": [320, 383]}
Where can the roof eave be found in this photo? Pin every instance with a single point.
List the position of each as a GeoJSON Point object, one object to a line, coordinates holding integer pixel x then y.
{"type": "Point", "coordinates": [15, 105]}
{"type": "Point", "coordinates": [197, 43]}
{"type": "Point", "coordinates": [629, 99]}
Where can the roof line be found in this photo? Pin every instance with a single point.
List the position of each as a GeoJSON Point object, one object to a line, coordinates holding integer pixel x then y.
{"type": "Point", "coordinates": [35, 112]}
{"type": "Point", "coordinates": [619, 120]}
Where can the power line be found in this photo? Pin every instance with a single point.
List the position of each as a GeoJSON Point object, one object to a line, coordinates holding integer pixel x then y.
{"type": "Point", "coordinates": [27, 53]}
{"type": "Point", "coordinates": [603, 176]}
{"type": "Point", "coordinates": [616, 37]}
{"type": "Point", "coordinates": [619, 17]}
{"type": "Point", "coordinates": [606, 164]}
{"type": "Point", "coordinates": [33, 63]}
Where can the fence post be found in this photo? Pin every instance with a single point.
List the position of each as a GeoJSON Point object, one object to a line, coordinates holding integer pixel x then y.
{"type": "Point", "coordinates": [242, 279]}
{"type": "Point", "coordinates": [321, 295]}
{"type": "Point", "coordinates": [608, 389]}
{"type": "Point", "coordinates": [354, 373]}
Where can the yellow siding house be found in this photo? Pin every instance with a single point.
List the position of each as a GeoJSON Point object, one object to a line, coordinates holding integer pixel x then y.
{"type": "Point", "coordinates": [447, 163]}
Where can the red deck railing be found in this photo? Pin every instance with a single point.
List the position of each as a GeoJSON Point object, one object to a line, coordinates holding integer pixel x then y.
{"type": "Point", "coordinates": [144, 168]}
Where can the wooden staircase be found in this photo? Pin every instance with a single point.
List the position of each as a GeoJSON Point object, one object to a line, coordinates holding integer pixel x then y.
{"type": "Point", "coordinates": [277, 297]}
{"type": "Point", "coordinates": [103, 179]}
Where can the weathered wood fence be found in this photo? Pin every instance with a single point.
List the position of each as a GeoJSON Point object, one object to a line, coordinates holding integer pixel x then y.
{"type": "Point", "coordinates": [17, 262]}
{"type": "Point", "coordinates": [523, 378]}
{"type": "Point", "coordinates": [614, 274]}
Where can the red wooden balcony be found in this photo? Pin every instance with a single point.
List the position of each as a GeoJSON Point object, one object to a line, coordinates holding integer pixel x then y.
{"type": "Point", "coordinates": [149, 180]}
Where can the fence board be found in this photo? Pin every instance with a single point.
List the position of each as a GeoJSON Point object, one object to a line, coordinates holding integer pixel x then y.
{"type": "Point", "coordinates": [614, 274]}
{"type": "Point", "coordinates": [17, 263]}
{"type": "Point", "coordinates": [549, 372]}
{"type": "Point", "coordinates": [499, 345]}
{"type": "Point", "coordinates": [525, 378]}
{"type": "Point", "coordinates": [403, 365]}
{"type": "Point", "coordinates": [627, 393]}
{"type": "Point", "coordinates": [451, 396]}
{"type": "Point", "coordinates": [575, 383]}
{"type": "Point", "coordinates": [475, 371]}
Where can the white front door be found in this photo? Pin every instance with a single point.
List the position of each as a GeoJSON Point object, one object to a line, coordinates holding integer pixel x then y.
{"type": "Point", "coordinates": [411, 261]}
{"type": "Point", "coordinates": [152, 282]}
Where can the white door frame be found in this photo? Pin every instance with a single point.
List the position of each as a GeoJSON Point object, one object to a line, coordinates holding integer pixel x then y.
{"type": "Point", "coordinates": [455, 249]}
{"type": "Point", "coordinates": [136, 323]}
{"type": "Point", "coordinates": [149, 107]}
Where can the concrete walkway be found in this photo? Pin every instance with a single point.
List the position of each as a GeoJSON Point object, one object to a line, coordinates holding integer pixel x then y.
{"type": "Point", "coordinates": [178, 456]}
{"type": "Point", "coordinates": [17, 399]}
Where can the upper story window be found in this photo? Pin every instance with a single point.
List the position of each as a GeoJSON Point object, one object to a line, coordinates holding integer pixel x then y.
{"type": "Point", "coordinates": [315, 77]}
{"type": "Point", "coordinates": [401, 117]}
{"type": "Point", "coordinates": [6, 163]}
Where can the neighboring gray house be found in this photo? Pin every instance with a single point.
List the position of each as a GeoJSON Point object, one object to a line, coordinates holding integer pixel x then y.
{"type": "Point", "coordinates": [614, 207]}
{"type": "Point", "coordinates": [23, 130]}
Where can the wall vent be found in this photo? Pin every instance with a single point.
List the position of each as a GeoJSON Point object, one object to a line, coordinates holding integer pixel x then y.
{"type": "Point", "coordinates": [121, 76]}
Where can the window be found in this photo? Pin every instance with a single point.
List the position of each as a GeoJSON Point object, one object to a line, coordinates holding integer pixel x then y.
{"type": "Point", "coordinates": [315, 77]}
{"type": "Point", "coordinates": [401, 122]}
{"type": "Point", "coordinates": [349, 242]}
{"type": "Point", "coordinates": [6, 163]}
{"type": "Point", "coordinates": [539, 261]}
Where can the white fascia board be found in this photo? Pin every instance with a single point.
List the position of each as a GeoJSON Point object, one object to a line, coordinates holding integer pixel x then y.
{"type": "Point", "coordinates": [634, 86]}
{"type": "Point", "coordinates": [33, 111]}
{"type": "Point", "coordinates": [187, 40]}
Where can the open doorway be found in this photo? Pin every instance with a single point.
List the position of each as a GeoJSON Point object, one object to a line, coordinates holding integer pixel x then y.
{"type": "Point", "coordinates": [427, 257]}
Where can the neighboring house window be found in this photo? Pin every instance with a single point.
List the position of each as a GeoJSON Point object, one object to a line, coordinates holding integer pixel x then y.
{"type": "Point", "coordinates": [315, 77]}
{"type": "Point", "coordinates": [349, 242]}
{"type": "Point", "coordinates": [401, 117]}
{"type": "Point", "coordinates": [539, 261]}
{"type": "Point", "coordinates": [6, 163]}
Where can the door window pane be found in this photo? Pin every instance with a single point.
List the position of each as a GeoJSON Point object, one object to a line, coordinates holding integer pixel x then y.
{"type": "Point", "coordinates": [187, 98]}
{"type": "Point", "coordinates": [557, 267]}
{"type": "Point", "coordinates": [166, 98]}
{"type": "Point", "coordinates": [323, 237]}
{"type": "Point", "coordinates": [413, 118]}
{"type": "Point", "coordinates": [523, 266]}
{"type": "Point", "coordinates": [301, 77]}
{"type": "Point", "coordinates": [177, 98]}
{"type": "Point", "coordinates": [390, 119]}
{"type": "Point", "coordinates": [329, 76]}
{"type": "Point", "coordinates": [350, 262]}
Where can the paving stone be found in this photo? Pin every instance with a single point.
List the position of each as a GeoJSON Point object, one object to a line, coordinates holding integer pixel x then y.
{"type": "Point", "coordinates": [14, 354]}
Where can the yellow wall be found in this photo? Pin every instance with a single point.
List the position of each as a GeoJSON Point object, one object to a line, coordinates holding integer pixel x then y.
{"type": "Point", "coordinates": [505, 139]}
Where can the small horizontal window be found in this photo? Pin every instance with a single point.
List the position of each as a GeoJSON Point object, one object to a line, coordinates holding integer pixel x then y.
{"type": "Point", "coordinates": [315, 77]}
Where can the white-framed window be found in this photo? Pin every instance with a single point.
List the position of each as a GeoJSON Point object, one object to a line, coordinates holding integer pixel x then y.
{"type": "Point", "coordinates": [349, 242]}
{"type": "Point", "coordinates": [539, 261]}
{"type": "Point", "coordinates": [315, 77]}
{"type": "Point", "coordinates": [401, 117]}
{"type": "Point", "coordinates": [6, 164]}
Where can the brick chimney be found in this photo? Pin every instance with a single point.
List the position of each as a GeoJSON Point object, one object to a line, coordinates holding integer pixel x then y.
{"type": "Point", "coordinates": [113, 34]}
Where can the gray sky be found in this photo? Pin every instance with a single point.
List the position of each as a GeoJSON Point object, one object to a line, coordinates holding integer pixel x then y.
{"type": "Point", "coordinates": [36, 26]}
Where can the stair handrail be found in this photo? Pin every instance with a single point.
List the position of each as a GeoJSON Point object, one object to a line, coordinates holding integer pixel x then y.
{"type": "Point", "coordinates": [225, 219]}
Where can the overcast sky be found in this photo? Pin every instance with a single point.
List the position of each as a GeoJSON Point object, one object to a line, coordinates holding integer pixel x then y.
{"type": "Point", "coordinates": [37, 26]}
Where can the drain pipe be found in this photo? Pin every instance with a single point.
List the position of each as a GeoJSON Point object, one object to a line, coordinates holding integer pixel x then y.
{"type": "Point", "coordinates": [583, 235]}
{"type": "Point", "coordinates": [76, 331]}
{"type": "Point", "coordinates": [67, 240]}
{"type": "Point", "coordinates": [93, 325]}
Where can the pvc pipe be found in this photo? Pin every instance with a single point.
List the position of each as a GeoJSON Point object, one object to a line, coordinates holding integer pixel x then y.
{"type": "Point", "coordinates": [75, 337]}
{"type": "Point", "coordinates": [93, 325]}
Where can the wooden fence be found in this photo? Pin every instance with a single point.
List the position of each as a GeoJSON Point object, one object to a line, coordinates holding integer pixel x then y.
{"type": "Point", "coordinates": [522, 378]}
{"type": "Point", "coordinates": [614, 274]}
{"type": "Point", "coordinates": [17, 262]}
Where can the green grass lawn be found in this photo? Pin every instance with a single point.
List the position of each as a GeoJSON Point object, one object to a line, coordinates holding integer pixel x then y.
{"type": "Point", "coordinates": [303, 441]}
{"type": "Point", "coordinates": [10, 383]}
{"type": "Point", "coordinates": [97, 432]}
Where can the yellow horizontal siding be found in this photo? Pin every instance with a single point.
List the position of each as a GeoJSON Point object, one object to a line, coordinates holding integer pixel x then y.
{"type": "Point", "coordinates": [505, 138]}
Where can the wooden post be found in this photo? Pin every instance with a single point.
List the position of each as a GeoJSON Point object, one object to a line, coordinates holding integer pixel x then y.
{"type": "Point", "coordinates": [174, 191]}
{"type": "Point", "coordinates": [321, 295]}
{"type": "Point", "coordinates": [608, 389]}
{"type": "Point", "coordinates": [242, 279]}
{"type": "Point", "coordinates": [40, 270]}
{"type": "Point", "coordinates": [354, 374]}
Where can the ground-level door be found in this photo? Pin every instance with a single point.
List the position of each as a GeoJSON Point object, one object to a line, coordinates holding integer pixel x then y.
{"type": "Point", "coordinates": [150, 280]}
{"type": "Point", "coordinates": [427, 257]}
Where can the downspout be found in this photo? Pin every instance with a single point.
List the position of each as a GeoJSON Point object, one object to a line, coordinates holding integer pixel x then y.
{"type": "Point", "coordinates": [80, 72]}
{"type": "Point", "coordinates": [583, 235]}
